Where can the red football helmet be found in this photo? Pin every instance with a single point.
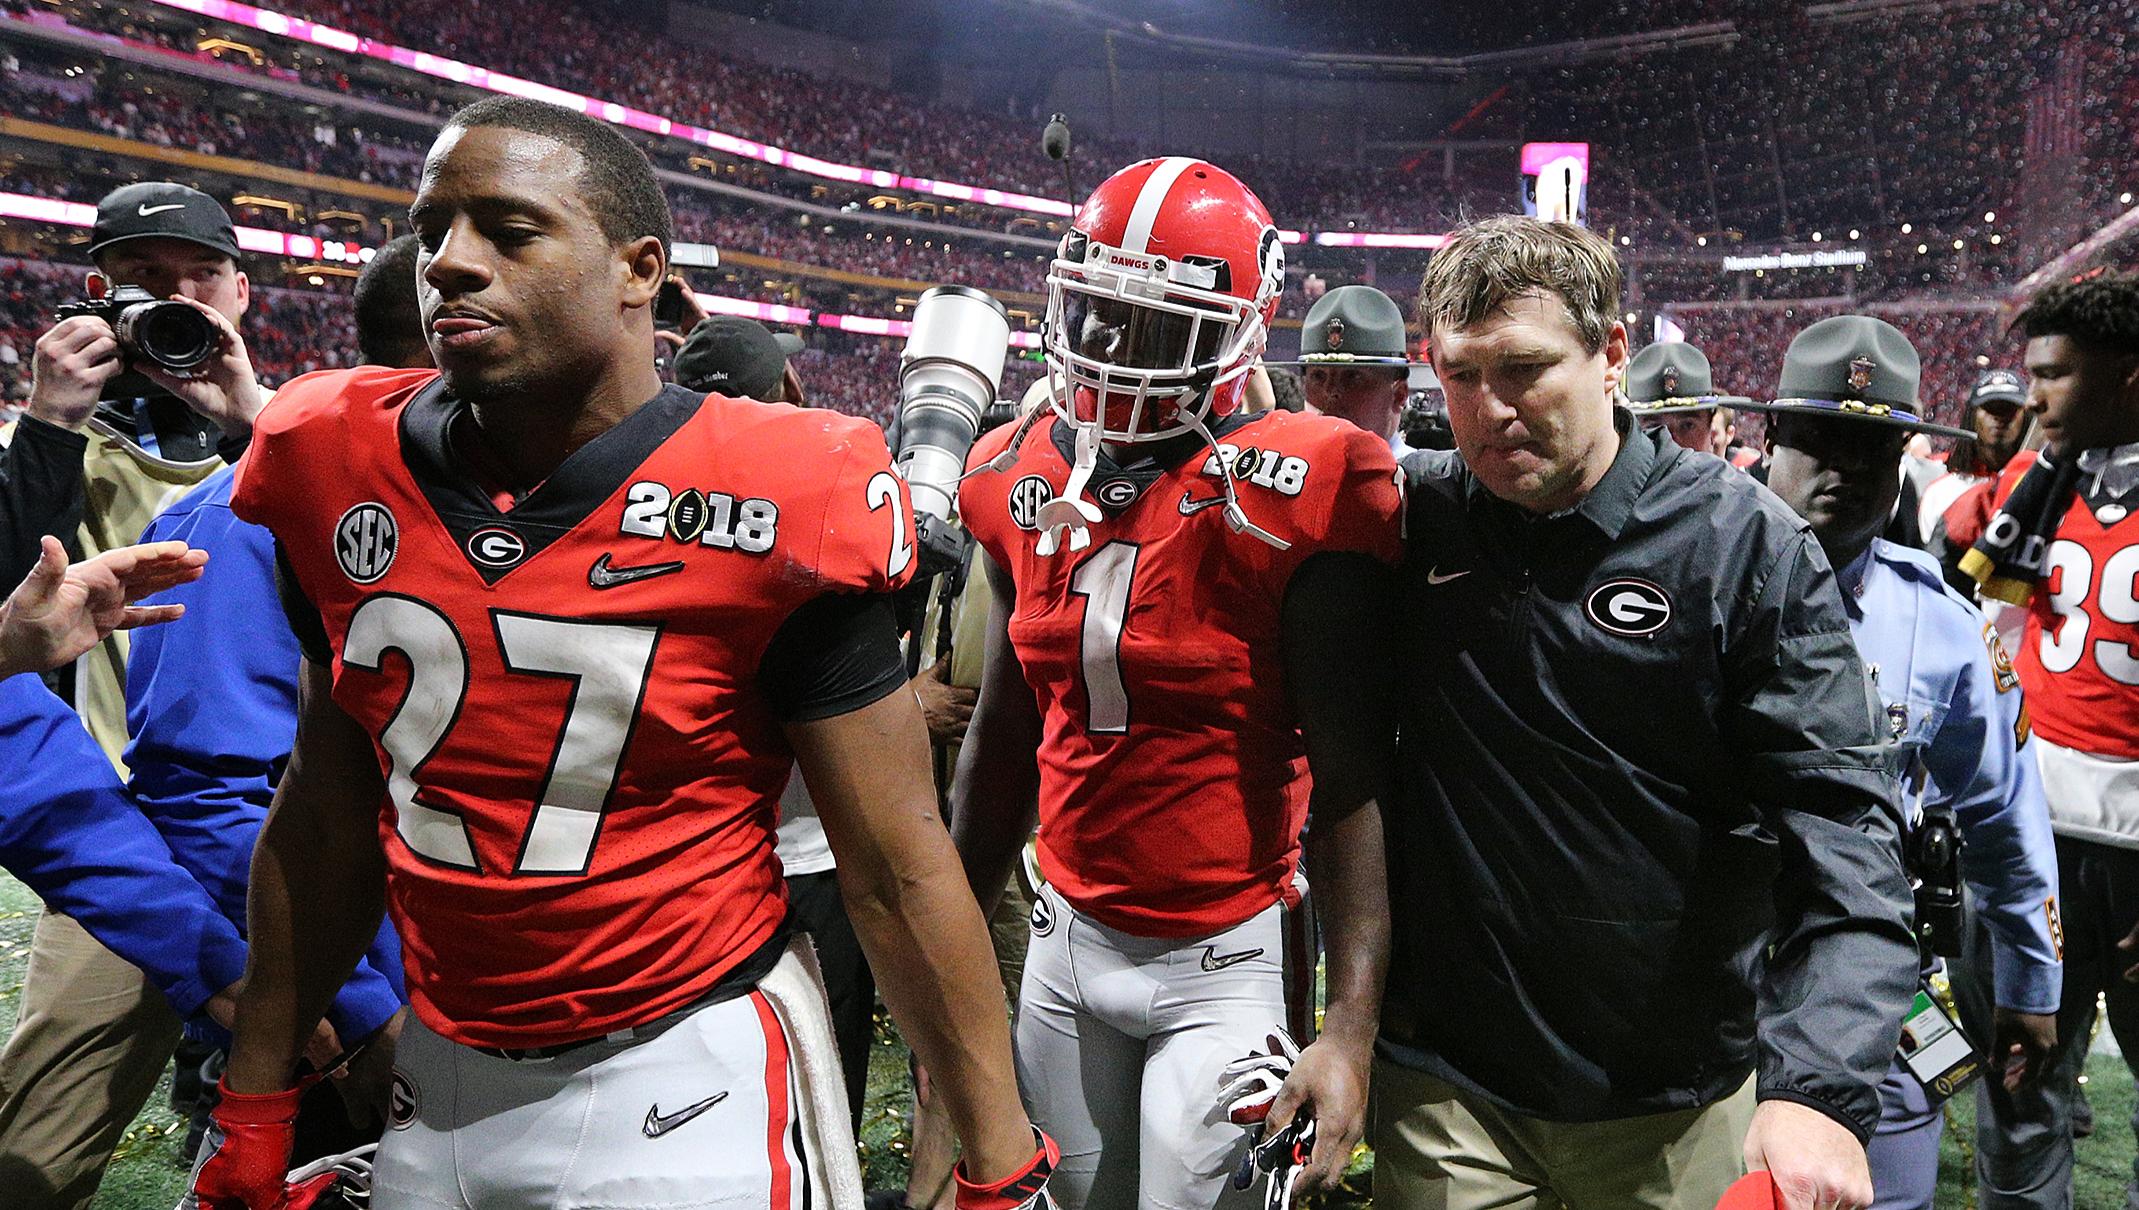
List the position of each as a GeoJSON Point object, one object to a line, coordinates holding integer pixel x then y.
{"type": "Point", "coordinates": [1159, 300]}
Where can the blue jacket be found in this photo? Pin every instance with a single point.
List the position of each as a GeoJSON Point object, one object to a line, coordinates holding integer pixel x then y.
{"type": "Point", "coordinates": [68, 830]}
{"type": "Point", "coordinates": [1954, 709]}
{"type": "Point", "coordinates": [211, 704]}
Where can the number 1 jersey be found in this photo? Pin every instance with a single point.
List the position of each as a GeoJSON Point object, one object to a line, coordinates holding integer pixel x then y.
{"type": "Point", "coordinates": [576, 700]}
{"type": "Point", "coordinates": [1173, 780]}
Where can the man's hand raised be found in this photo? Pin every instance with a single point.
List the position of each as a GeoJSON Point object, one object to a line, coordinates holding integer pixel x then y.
{"type": "Point", "coordinates": [60, 612]}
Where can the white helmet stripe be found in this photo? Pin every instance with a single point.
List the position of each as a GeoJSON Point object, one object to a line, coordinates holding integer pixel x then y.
{"type": "Point", "coordinates": [1149, 199]}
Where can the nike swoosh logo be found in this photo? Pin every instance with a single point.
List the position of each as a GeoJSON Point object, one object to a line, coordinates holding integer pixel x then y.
{"type": "Point", "coordinates": [601, 575]}
{"type": "Point", "coordinates": [146, 211]}
{"type": "Point", "coordinates": [658, 1125]}
{"type": "Point", "coordinates": [1435, 577]}
{"type": "Point", "coordinates": [1215, 961]}
{"type": "Point", "coordinates": [1190, 506]}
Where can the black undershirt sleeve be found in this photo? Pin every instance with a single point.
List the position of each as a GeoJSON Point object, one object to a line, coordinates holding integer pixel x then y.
{"type": "Point", "coordinates": [303, 615]}
{"type": "Point", "coordinates": [833, 656]}
{"type": "Point", "coordinates": [1335, 630]}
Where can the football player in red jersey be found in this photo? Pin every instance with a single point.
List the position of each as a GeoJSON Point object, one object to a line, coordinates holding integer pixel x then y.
{"type": "Point", "coordinates": [569, 632]}
{"type": "Point", "coordinates": [2078, 664]}
{"type": "Point", "coordinates": [1181, 594]}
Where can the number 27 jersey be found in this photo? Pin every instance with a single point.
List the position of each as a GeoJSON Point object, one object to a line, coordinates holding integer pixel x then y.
{"type": "Point", "coordinates": [1173, 780]}
{"type": "Point", "coordinates": [582, 757]}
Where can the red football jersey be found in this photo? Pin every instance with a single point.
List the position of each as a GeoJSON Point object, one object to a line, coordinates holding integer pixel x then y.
{"type": "Point", "coordinates": [583, 769]}
{"type": "Point", "coordinates": [2079, 659]}
{"type": "Point", "coordinates": [1173, 780]}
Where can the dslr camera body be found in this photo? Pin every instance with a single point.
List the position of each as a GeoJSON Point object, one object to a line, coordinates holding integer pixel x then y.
{"type": "Point", "coordinates": [151, 329]}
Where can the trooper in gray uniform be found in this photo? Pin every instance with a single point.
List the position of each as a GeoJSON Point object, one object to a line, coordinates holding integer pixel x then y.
{"type": "Point", "coordinates": [1642, 835]}
{"type": "Point", "coordinates": [1848, 403]}
{"type": "Point", "coordinates": [1670, 384]}
{"type": "Point", "coordinates": [1353, 358]}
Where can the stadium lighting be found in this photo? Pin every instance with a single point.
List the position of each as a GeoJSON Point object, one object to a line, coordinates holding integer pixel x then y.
{"type": "Point", "coordinates": [1815, 237]}
{"type": "Point", "coordinates": [1906, 228]}
{"type": "Point", "coordinates": [1853, 234]}
{"type": "Point", "coordinates": [1959, 244]}
{"type": "Point", "coordinates": [1626, 241]}
{"type": "Point", "coordinates": [1997, 239]}
{"type": "Point", "coordinates": [1922, 248]}
{"type": "Point", "coordinates": [1990, 216]}
{"type": "Point", "coordinates": [2124, 199]}
{"type": "Point", "coordinates": [1700, 241]}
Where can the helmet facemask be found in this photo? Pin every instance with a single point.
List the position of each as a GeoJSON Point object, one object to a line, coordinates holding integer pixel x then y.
{"type": "Point", "coordinates": [1139, 349]}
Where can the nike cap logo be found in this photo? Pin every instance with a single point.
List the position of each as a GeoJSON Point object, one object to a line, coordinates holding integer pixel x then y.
{"type": "Point", "coordinates": [1215, 961]}
{"type": "Point", "coordinates": [658, 1124]}
{"type": "Point", "coordinates": [147, 210]}
{"type": "Point", "coordinates": [601, 575]}
{"type": "Point", "coordinates": [1434, 576]}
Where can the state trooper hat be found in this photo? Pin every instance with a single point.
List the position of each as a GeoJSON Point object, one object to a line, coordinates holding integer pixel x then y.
{"type": "Point", "coordinates": [1857, 367]}
{"type": "Point", "coordinates": [1352, 325]}
{"type": "Point", "coordinates": [162, 210]}
{"type": "Point", "coordinates": [1671, 377]}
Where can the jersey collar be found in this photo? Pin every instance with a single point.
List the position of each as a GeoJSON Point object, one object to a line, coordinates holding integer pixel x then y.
{"type": "Point", "coordinates": [591, 475]}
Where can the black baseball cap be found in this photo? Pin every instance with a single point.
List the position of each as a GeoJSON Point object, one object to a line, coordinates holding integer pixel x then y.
{"type": "Point", "coordinates": [1999, 386]}
{"type": "Point", "coordinates": [162, 210]}
{"type": "Point", "coordinates": [733, 356]}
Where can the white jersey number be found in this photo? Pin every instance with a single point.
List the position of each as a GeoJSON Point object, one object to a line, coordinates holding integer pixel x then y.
{"type": "Point", "coordinates": [883, 489]}
{"type": "Point", "coordinates": [608, 666]}
{"type": "Point", "coordinates": [1103, 580]}
{"type": "Point", "coordinates": [2118, 602]}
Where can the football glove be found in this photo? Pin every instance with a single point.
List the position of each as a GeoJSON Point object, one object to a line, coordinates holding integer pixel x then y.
{"type": "Point", "coordinates": [1025, 1189]}
{"type": "Point", "coordinates": [1248, 1086]}
{"type": "Point", "coordinates": [244, 1161]}
{"type": "Point", "coordinates": [1246, 1090]}
{"type": "Point", "coordinates": [1279, 1159]}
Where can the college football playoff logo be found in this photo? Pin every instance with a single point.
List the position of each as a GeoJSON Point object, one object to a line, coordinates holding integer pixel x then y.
{"type": "Point", "coordinates": [400, 1102]}
{"type": "Point", "coordinates": [1628, 607]}
{"type": "Point", "coordinates": [364, 542]}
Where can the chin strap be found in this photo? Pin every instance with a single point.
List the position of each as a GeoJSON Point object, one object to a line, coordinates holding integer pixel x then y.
{"type": "Point", "coordinates": [1236, 518]}
{"type": "Point", "coordinates": [1070, 512]}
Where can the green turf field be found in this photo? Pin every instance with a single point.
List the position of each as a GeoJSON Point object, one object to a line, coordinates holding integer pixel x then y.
{"type": "Point", "coordinates": [146, 1173]}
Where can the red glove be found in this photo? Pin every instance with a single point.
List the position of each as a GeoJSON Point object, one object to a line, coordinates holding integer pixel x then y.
{"type": "Point", "coordinates": [1025, 1189]}
{"type": "Point", "coordinates": [245, 1160]}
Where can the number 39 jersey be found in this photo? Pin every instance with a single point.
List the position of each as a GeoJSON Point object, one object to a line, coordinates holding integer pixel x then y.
{"type": "Point", "coordinates": [582, 759]}
{"type": "Point", "coordinates": [2079, 659]}
{"type": "Point", "coordinates": [1173, 780]}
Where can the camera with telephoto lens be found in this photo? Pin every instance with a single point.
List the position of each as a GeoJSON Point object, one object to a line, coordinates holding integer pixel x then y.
{"type": "Point", "coordinates": [1424, 422]}
{"type": "Point", "coordinates": [169, 334]}
{"type": "Point", "coordinates": [948, 375]}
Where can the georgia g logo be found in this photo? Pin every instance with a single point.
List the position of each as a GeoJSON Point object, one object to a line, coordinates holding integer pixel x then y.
{"type": "Point", "coordinates": [365, 540]}
{"type": "Point", "coordinates": [1628, 607]}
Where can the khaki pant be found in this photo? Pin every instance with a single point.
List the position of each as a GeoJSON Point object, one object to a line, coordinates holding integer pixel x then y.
{"type": "Point", "coordinates": [1439, 1149]}
{"type": "Point", "coordinates": [88, 1048]}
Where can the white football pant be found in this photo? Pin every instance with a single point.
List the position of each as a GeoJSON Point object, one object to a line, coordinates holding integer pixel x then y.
{"type": "Point", "coordinates": [1120, 1041]}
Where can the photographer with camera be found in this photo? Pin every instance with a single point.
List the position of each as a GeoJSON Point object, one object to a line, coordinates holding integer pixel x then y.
{"type": "Point", "coordinates": [141, 391]}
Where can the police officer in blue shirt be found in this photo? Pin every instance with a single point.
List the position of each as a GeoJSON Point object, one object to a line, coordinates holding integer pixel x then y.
{"type": "Point", "coordinates": [1848, 403]}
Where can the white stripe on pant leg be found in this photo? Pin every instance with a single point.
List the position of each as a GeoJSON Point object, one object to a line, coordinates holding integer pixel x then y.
{"type": "Point", "coordinates": [795, 989]}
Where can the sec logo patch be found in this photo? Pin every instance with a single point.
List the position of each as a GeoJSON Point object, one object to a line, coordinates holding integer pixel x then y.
{"type": "Point", "coordinates": [1628, 607]}
{"type": "Point", "coordinates": [1026, 497]}
{"type": "Point", "coordinates": [365, 540]}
